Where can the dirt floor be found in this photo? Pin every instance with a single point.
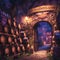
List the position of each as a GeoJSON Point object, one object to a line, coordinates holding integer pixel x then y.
{"type": "Point", "coordinates": [40, 55]}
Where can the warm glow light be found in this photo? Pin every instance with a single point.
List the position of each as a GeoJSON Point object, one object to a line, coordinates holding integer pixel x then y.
{"type": "Point", "coordinates": [26, 18]}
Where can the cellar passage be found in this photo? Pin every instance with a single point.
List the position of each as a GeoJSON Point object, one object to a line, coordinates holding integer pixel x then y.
{"type": "Point", "coordinates": [44, 34]}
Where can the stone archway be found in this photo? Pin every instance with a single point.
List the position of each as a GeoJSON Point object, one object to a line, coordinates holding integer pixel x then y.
{"type": "Point", "coordinates": [47, 13]}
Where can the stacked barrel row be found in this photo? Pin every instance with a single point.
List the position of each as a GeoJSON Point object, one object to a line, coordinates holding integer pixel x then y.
{"type": "Point", "coordinates": [13, 39]}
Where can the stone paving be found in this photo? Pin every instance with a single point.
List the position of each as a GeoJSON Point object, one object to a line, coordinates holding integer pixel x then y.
{"type": "Point", "coordinates": [40, 55]}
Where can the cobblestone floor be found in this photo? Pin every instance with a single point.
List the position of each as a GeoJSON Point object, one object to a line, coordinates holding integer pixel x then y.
{"type": "Point", "coordinates": [39, 55]}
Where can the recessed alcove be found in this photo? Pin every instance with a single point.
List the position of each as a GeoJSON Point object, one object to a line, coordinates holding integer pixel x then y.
{"type": "Point", "coordinates": [43, 35]}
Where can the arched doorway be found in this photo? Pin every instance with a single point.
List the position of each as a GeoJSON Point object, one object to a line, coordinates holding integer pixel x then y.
{"type": "Point", "coordinates": [43, 30]}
